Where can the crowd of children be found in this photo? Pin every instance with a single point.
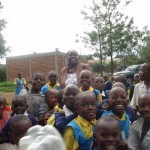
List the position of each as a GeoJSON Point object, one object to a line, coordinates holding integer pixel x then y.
{"type": "Point", "coordinates": [91, 116]}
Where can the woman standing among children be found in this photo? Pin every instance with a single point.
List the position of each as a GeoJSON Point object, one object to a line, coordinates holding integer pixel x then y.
{"type": "Point", "coordinates": [70, 73]}
{"type": "Point", "coordinates": [20, 83]}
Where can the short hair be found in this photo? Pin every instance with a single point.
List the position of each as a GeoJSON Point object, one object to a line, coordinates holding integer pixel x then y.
{"type": "Point", "coordinates": [8, 146]}
{"type": "Point", "coordinates": [102, 121]}
{"type": "Point", "coordinates": [52, 71]}
{"type": "Point", "coordinates": [4, 100]}
{"type": "Point", "coordinates": [142, 95]}
{"type": "Point", "coordinates": [23, 97]}
{"type": "Point", "coordinates": [18, 118]}
{"type": "Point", "coordinates": [79, 96]}
{"type": "Point", "coordinates": [70, 85]}
{"type": "Point", "coordinates": [119, 84]}
{"type": "Point", "coordinates": [60, 95]}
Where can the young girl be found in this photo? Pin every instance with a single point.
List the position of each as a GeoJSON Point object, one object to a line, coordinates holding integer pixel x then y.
{"type": "Point", "coordinates": [117, 105]}
{"type": "Point", "coordinates": [139, 134]}
{"type": "Point", "coordinates": [20, 83]}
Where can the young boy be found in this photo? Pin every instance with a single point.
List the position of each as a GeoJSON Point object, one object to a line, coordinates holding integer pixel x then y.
{"type": "Point", "coordinates": [85, 82]}
{"type": "Point", "coordinates": [68, 114]}
{"type": "Point", "coordinates": [107, 135]}
{"type": "Point", "coordinates": [51, 98]}
{"type": "Point", "coordinates": [117, 105]}
{"type": "Point", "coordinates": [139, 134]}
{"type": "Point", "coordinates": [79, 132]}
{"type": "Point", "coordinates": [19, 106]}
{"type": "Point", "coordinates": [36, 103]}
{"type": "Point", "coordinates": [19, 125]}
{"type": "Point", "coordinates": [99, 84]}
{"type": "Point", "coordinates": [52, 83]}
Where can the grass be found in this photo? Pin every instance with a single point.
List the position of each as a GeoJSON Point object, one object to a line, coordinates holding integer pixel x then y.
{"type": "Point", "coordinates": [7, 87]}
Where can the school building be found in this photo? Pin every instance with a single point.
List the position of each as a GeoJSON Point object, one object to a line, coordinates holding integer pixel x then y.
{"type": "Point", "coordinates": [38, 62]}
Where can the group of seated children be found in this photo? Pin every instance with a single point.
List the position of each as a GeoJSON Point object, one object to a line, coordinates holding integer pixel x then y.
{"type": "Point", "coordinates": [88, 117]}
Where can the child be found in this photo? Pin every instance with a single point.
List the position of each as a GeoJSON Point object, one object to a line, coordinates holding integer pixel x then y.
{"type": "Point", "coordinates": [20, 83]}
{"type": "Point", "coordinates": [5, 111]}
{"type": "Point", "coordinates": [139, 134]}
{"type": "Point", "coordinates": [100, 85]}
{"type": "Point", "coordinates": [68, 114]}
{"type": "Point", "coordinates": [52, 83]}
{"type": "Point", "coordinates": [79, 132]}
{"type": "Point", "coordinates": [19, 106]}
{"type": "Point", "coordinates": [18, 127]}
{"type": "Point", "coordinates": [108, 84]}
{"type": "Point", "coordinates": [51, 98]}
{"type": "Point", "coordinates": [85, 82]}
{"type": "Point", "coordinates": [107, 135]}
{"type": "Point", "coordinates": [36, 104]}
{"type": "Point", "coordinates": [58, 108]}
{"type": "Point", "coordinates": [117, 105]}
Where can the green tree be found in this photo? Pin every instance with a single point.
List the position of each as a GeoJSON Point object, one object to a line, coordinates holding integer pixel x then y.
{"type": "Point", "coordinates": [113, 31]}
{"type": "Point", "coordinates": [3, 48]}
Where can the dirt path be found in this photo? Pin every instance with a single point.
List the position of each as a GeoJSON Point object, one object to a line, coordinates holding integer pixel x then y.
{"type": "Point", "coordinates": [8, 96]}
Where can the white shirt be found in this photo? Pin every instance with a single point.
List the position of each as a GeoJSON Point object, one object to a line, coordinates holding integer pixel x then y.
{"type": "Point", "coordinates": [67, 111]}
{"type": "Point", "coordinates": [71, 79]}
{"type": "Point", "coordinates": [139, 89]}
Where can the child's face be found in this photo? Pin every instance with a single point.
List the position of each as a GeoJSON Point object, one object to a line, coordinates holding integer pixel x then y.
{"type": "Point", "coordinates": [38, 81]}
{"type": "Point", "coordinates": [51, 98]}
{"type": "Point", "coordinates": [85, 79]}
{"type": "Point", "coordinates": [87, 107]}
{"type": "Point", "coordinates": [99, 83]}
{"type": "Point", "coordinates": [19, 106]}
{"type": "Point", "coordinates": [69, 97]}
{"type": "Point", "coordinates": [19, 75]}
{"type": "Point", "coordinates": [144, 72]}
{"type": "Point", "coordinates": [144, 106]}
{"type": "Point", "coordinates": [52, 78]}
{"type": "Point", "coordinates": [108, 135]}
{"type": "Point", "coordinates": [19, 130]}
{"type": "Point", "coordinates": [137, 78]}
{"type": "Point", "coordinates": [118, 100]}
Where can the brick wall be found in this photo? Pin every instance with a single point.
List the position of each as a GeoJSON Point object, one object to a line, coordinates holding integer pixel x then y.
{"type": "Point", "coordinates": [40, 62]}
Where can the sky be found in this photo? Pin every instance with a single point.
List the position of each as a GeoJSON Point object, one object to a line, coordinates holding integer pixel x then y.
{"type": "Point", "coordinates": [43, 25]}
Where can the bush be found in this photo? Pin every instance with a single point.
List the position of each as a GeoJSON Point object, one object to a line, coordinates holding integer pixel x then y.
{"type": "Point", "coordinates": [3, 73]}
{"type": "Point", "coordinates": [7, 87]}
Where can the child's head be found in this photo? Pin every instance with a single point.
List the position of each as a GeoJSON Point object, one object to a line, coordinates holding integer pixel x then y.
{"type": "Point", "coordinates": [18, 126]}
{"type": "Point", "coordinates": [85, 105]}
{"type": "Point", "coordinates": [52, 77]}
{"type": "Point", "coordinates": [119, 84]}
{"type": "Point", "coordinates": [38, 80]}
{"type": "Point", "coordinates": [19, 104]}
{"type": "Point", "coordinates": [51, 98]}
{"type": "Point", "coordinates": [19, 75]}
{"type": "Point", "coordinates": [3, 103]}
{"type": "Point", "coordinates": [60, 98]}
{"type": "Point", "coordinates": [85, 79]}
{"type": "Point", "coordinates": [136, 78]}
{"type": "Point", "coordinates": [107, 133]}
{"type": "Point", "coordinates": [99, 83]}
{"type": "Point", "coordinates": [120, 78]}
{"type": "Point", "coordinates": [8, 146]}
{"type": "Point", "coordinates": [69, 94]}
{"type": "Point", "coordinates": [106, 78]}
{"type": "Point", "coordinates": [144, 106]}
{"type": "Point", "coordinates": [118, 100]}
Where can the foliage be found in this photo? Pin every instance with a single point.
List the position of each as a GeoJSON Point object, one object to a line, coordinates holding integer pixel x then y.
{"type": "Point", "coordinates": [3, 48]}
{"type": "Point", "coordinates": [113, 33]}
{"type": "Point", "coordinates": [7, 87]}
{"type": "Point", "coordinates": [2, 73]}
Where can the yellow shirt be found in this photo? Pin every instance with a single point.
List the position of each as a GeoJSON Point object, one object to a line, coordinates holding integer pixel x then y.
{"type": "Point", "coordinates": [98, 97]}
{"type": "Point", "coordinates": [50, 87]}
{"type": "Point", "coordinates": [51, 120]}
{"type": "Point", "coordinates": [87, 129]}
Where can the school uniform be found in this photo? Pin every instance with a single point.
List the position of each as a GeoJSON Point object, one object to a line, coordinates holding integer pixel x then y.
{"type": "Point", "coordinates": [79, 134]}
{"type": "Point", "coordinates": [47, 87]}
{"type": "Point", "coordinates": [124, 123]}
{"type": "Point", "coordinates": [61, 119]}
{"type": "Point", "coordinates": [96, 92]}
